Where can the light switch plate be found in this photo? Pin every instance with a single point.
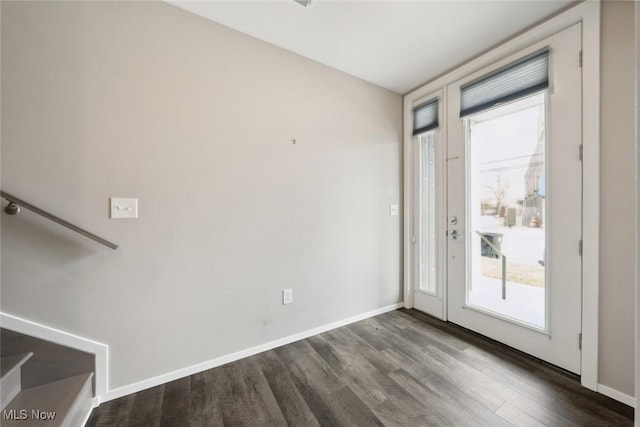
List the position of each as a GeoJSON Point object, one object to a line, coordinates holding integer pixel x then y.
{"type": "Point", "coordinates": [287, 296]}
{"type": "Point", "coordinates": [393, 210]}
{"type": "Point", "coordinates": [123, 208]}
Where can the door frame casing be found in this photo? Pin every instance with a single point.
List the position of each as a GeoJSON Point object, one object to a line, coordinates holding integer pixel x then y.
{"type": "Point", "coordinates": [587, 13]}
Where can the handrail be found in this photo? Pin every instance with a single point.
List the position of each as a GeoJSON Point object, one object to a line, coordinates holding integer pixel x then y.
{"type": "Point", "coordinates": [504, 263]}
{"type": "Point", "coordinates": [16, 201]}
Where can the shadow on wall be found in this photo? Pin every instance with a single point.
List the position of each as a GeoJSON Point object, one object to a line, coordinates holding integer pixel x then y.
{"type": "Point", "coordinates": [46, 243]}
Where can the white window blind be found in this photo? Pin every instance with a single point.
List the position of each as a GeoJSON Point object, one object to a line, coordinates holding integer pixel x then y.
{"type": "Point", "coordinates": [515, 81]}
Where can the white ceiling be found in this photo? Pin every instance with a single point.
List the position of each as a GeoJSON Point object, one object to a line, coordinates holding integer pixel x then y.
{"type": "Point", "coordinates": [395, 44]}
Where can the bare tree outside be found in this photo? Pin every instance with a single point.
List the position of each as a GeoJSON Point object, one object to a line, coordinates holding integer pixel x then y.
{"type": "Point", "coordinates": [497, 193]}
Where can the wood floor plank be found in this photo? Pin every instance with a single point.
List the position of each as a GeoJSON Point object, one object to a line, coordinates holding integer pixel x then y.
{"type": "Point", "coordinates": [357, 413]}
{"type": "Point", "coordinates": [404, 321]}
{"type": "Point", "coordinates": [147, 408]}
{"type": "Point", "coordinates": [510, 362]}
{"type": "Point", "coordinates": [557, 400]}
{"type": "Point", "coordinates": [311, 365]}
{"type": "Point", "coordinates": [205, 404]}
{"type": "Point", "coordinates": [353, 343]}
{"type": "Point", "coordinates": [93, 418]}
{"type": "Point", "coordinates": [231, 396]}
{"type": "Point", "coordinates": [315, 394]}
{"type": "Point", "coordinates": [294, 408]}
{"type": "Point", "coordinates": [321, 377]}
{"type": "Point", "coordinates": [263, 389]}
{"type": "Point", "coordinates": [116, 413]}
{"type": "Point", "coordinates": [402, 368]}
{"type": "Point", "coordinates": [443, 412]}
{"type": "Point", "coordinates": [240, 401]}
{"type": "Point", "coordinates": [551, 413]}
{"type": "Point", "coordinates": [176, 403]}
{"type": "Point", "coordinates": [324, 350]}
{"type": "Point", "coordinates": [370, 333]}
{"type": "Point", "coordinates": [472, 400]}
{"type": "Point", "coordinates": [517, 417]}
{"type": "Point", "coordinates": [423, 365]}
{"type": "Point", "coordinates": [512, 395]}
{"type": "Point", "coordinates": [381, 394]}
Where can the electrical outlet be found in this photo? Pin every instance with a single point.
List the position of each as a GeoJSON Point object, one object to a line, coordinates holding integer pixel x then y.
{"type": "Point", "coordinates": [287, 296]}
{"type": "Point", "coordinates": [393, 210]}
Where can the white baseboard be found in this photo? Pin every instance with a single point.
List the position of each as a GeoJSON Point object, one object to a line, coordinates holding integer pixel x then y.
{"type": "Point", "coordinates": [194, 369]}
{"type": "Point", "coordinates": [100, 350]}
{"type": "Point", "coordinates": [617, 395]}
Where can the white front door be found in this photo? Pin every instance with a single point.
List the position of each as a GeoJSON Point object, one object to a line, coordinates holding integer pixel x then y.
{"type": "Point", "coordinates": [514, 188]}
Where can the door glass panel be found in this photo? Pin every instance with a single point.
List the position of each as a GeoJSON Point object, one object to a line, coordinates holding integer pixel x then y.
{"type": "Point", "coordinates": [506, 211]}
{"type": "Point", "coordinates": [427, 212]}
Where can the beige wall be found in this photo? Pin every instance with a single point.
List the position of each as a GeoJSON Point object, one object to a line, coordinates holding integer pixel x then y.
{"type": "Point", "coordinates": [196, 120]}
{"type": "Point", "coordinates": [618, 198]}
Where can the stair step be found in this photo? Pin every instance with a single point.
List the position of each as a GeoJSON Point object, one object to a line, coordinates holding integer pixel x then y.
{"type": "Point", "coordinates": [9, 363]}
{"type": "Point", "coordinates": [11, 377]}
{"type": "Point", "coordinates": [64, 403]}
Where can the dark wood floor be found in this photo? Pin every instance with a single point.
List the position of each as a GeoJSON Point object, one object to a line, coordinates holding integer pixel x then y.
{"type": "Point", "coordinates": [397, 369]}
